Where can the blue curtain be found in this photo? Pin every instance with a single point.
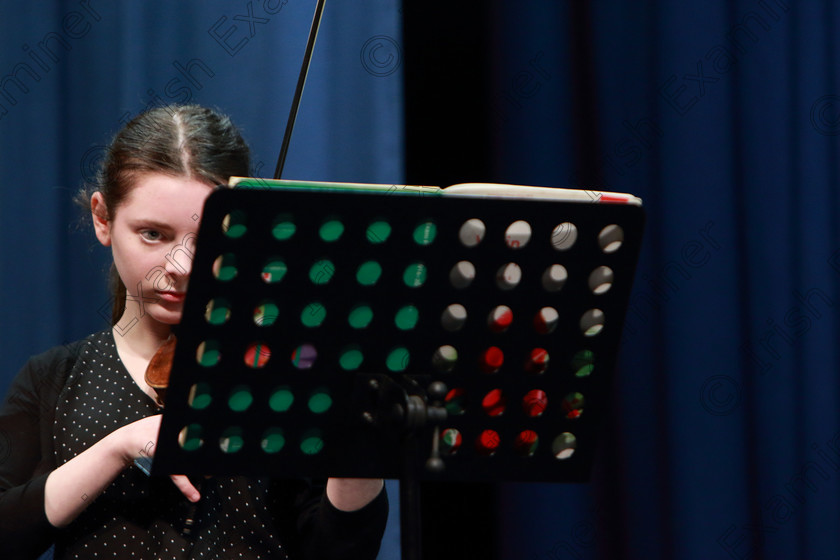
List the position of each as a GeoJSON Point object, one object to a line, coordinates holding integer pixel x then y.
{"type": "Point", "coordinates": [723, 116]}
{"type": "Point", "coordinates": [71, 72]}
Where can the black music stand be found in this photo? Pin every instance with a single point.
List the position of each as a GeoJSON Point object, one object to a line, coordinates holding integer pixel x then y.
{"type": "Point", "coordinates": [398, 335]}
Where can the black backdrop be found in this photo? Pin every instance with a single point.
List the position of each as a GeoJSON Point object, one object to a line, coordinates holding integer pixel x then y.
{"type": "Point", "coordinates": [722, 116]}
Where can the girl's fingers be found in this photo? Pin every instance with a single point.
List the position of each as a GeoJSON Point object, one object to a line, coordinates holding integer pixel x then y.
{"type": "Point", "coordinates": [186, 487]}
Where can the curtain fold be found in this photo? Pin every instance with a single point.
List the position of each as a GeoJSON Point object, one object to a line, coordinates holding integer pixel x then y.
{"type": "Point", "coordinates": [722, 116]}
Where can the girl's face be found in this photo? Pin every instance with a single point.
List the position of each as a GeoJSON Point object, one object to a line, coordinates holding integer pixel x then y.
{"type": "Point", "coordinates": [152, 238]}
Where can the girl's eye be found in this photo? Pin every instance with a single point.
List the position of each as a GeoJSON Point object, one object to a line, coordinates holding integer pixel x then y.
{"type": "Point", "coordinates": [151, 235]}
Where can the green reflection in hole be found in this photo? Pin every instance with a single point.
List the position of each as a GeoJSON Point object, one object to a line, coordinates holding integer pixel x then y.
{"type": "Point", "coordinates": [281, 400]}
{"type": "Point", "coordinates": [273, 440]}
{"type": "Point", "coordinates": [283, 229]}
{"type": "Point", "coordinates": [415, 275]}
{"type": "Point", "coordinates": [330, 231]}
{"type": "Point", "coordinates": [320, 402]}
{"type": "Point", "coordinates": [312, 443]}
{"type": "Point", "coordinates": [378, 232]}
{"type": "Point", "coordinates": [351, 359]}
{"type": "Point", "coordinates": [406, 318]}
{"type": "Point", "coordinates": [200, 398]}
{"type": "Point", "coordinates": [360, 317]}
{"type": "Point", "coordinates": [398, 359]}
{"type": "Point", "coordinates": [425, 233]}
{"type": "Point", "coordinates": [231, 440]}
{"type": "Point", "coordinates": [321, 272]}
{"type": "Point", "coordinates": [274, 271]}
{"type": "Point", "coordinates": [313, 315]}
{"type": "Point", "coordinates": [240, 399]}
{"type": "Point", "coordinates": [368, 273]}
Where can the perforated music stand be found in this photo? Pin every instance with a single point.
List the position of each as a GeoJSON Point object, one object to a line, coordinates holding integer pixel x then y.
{"type": "Point", "coordinates": [398, 335]}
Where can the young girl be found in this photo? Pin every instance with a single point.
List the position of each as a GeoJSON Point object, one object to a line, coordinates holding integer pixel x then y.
{"type": "Point", "coordinates": [77, 416]}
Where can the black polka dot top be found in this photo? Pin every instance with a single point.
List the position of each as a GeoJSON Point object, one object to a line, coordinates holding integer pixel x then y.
{"type": "Point", "coordinates": [142, 517]}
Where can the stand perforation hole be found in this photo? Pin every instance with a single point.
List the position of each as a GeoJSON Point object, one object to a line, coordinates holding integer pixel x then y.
{"type": "Point", "coordinates": [445, 358]}
{"type": "Point", "coordinates": [564, 445]}
{"type": "Point", "coordinates": [274, 270]}
{"type": "Point", "coordinates": [472, 232]}
{"type": "Point", "coordinates": [583, 362]}
{"type": "Point", "coordinates": [491, 360]}
{"type": "Point", "coordinates": [321, 272]}
{"type": "Point", "coordinates": [224, 267]}
{"type": "Point", "coordinates": [199, 396]}
{"type": "Point", "coordinates": [450, 441]}
{"type": "Point", "coordinates": [508, 276]}
{"type": "Point", "coordinates": [462, 274]}
{"type": "Point", "coordinates": [545, 321]}
{"type": "Point", "coordinates": [526, 443]}
{"type": "Point", "coordinates": [573, 405]}
{"type": "Point", "coordinates": [217, 311]}
{"type": "Point", "coordinates": [518, 234]}
{"type": "Point", "coordinates": [281, 399]}
{"type": "Point", "coordinates": [283, 227]}
{"type": "Point", "coordinates": [601, 280]}
{"type": "Point", "coordinates": [554, 278]}
{"type": "Point", "coordinates": [240, 398]}
{"type": "Point", "coordinates": [272, 441]}
{"type": "Point", "coordinates": [231, 440]}
{"type": "Point", "coordinates": [266, 313]}
{"type": "Point", "coordinates": [563, 236]}
{"type": "Point", "coordinates": [351, 358]}
{"type": "Point", "coordinates": [611, 238]}
{"type": "Point", "coordinates": [191, 437]}
{"type": "Point", "coordinates": [304, 356]}
{"type": "Point", "coordinates": [537, 361]}
{"type": "Point", "coordinates": [360, 316]}
{"type": "Point", "coordinates": [257, 355]}
{"type": "Point", "coordinates": [313, 315]}
{"type": "Point", "coordinates": [368, 273]}
{"type": "Point", "coordinates": [397, 359]}
{"type": "Point", "coordinates": [488, 442]}
{"type": "Point", "coordinates": [331, 231]}
{"type": "Point", "coordinates": [500, 318]}
{"type": "Point", "coordinates": [312, 442]}
{"type": "Point", "coordinates": [207, 354]}
{"type": "Point", "coordinates": [378, 232]}
{"type": "Point", "coordinates": [415, 275]}
{"type": "Point", "coordinates": [534, 403]}
{"type": "Point", "coordinates": [233, 224]}
{"type": "Point", "coordinates": [455, 401]}
{"type": "Point", "coordinates": [453, 317]}
{"type": "Point", "coordinates": [425, 233]}
{"type": "Point", "coordinates": [592, 322]}
{"type": "Point", "coordinates": [494, 403]}
{"type": "Point", "coordinates": [406, 317]}
{"type": "Point", "coordinates": [320, 401]}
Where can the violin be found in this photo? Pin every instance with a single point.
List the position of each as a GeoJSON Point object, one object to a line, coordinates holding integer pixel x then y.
{"type": "Point", "coordinates": [160, 366]}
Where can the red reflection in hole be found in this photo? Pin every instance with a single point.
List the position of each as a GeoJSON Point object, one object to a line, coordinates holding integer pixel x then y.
{"type": "Point", "coordinates": [534, 402]}
{"type": "Point", "coordinates": [494, 402]}
{"type": "Point", "coordinates": [488, 442]}
{"type": "Point", "coordinates": [537, 361]}
{"type": "Point", "coordinates": [492, 359]}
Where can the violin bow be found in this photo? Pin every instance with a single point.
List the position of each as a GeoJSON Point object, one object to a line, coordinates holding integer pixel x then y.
{"type": "Point", "coordinates": [304, 71]}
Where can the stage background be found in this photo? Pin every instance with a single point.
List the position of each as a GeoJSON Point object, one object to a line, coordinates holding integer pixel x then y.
{"type": "Point", "coordinates": [723, 115]}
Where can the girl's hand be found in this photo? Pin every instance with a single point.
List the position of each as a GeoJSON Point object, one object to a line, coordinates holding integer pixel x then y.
{"type": "Point", "coordinates": [139, 439]}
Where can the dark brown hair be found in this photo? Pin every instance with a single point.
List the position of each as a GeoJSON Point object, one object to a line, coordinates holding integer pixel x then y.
{"type": "Point", "coordinates": [178, 140]}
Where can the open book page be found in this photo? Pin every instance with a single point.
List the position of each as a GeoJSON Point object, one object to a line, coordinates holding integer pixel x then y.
{"type": "Point", "coordinates": [491, 190]}
{"type": "Point", "coordinates": [249, 182]}
{"type": "Point", "coordinates": [552, 193]}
